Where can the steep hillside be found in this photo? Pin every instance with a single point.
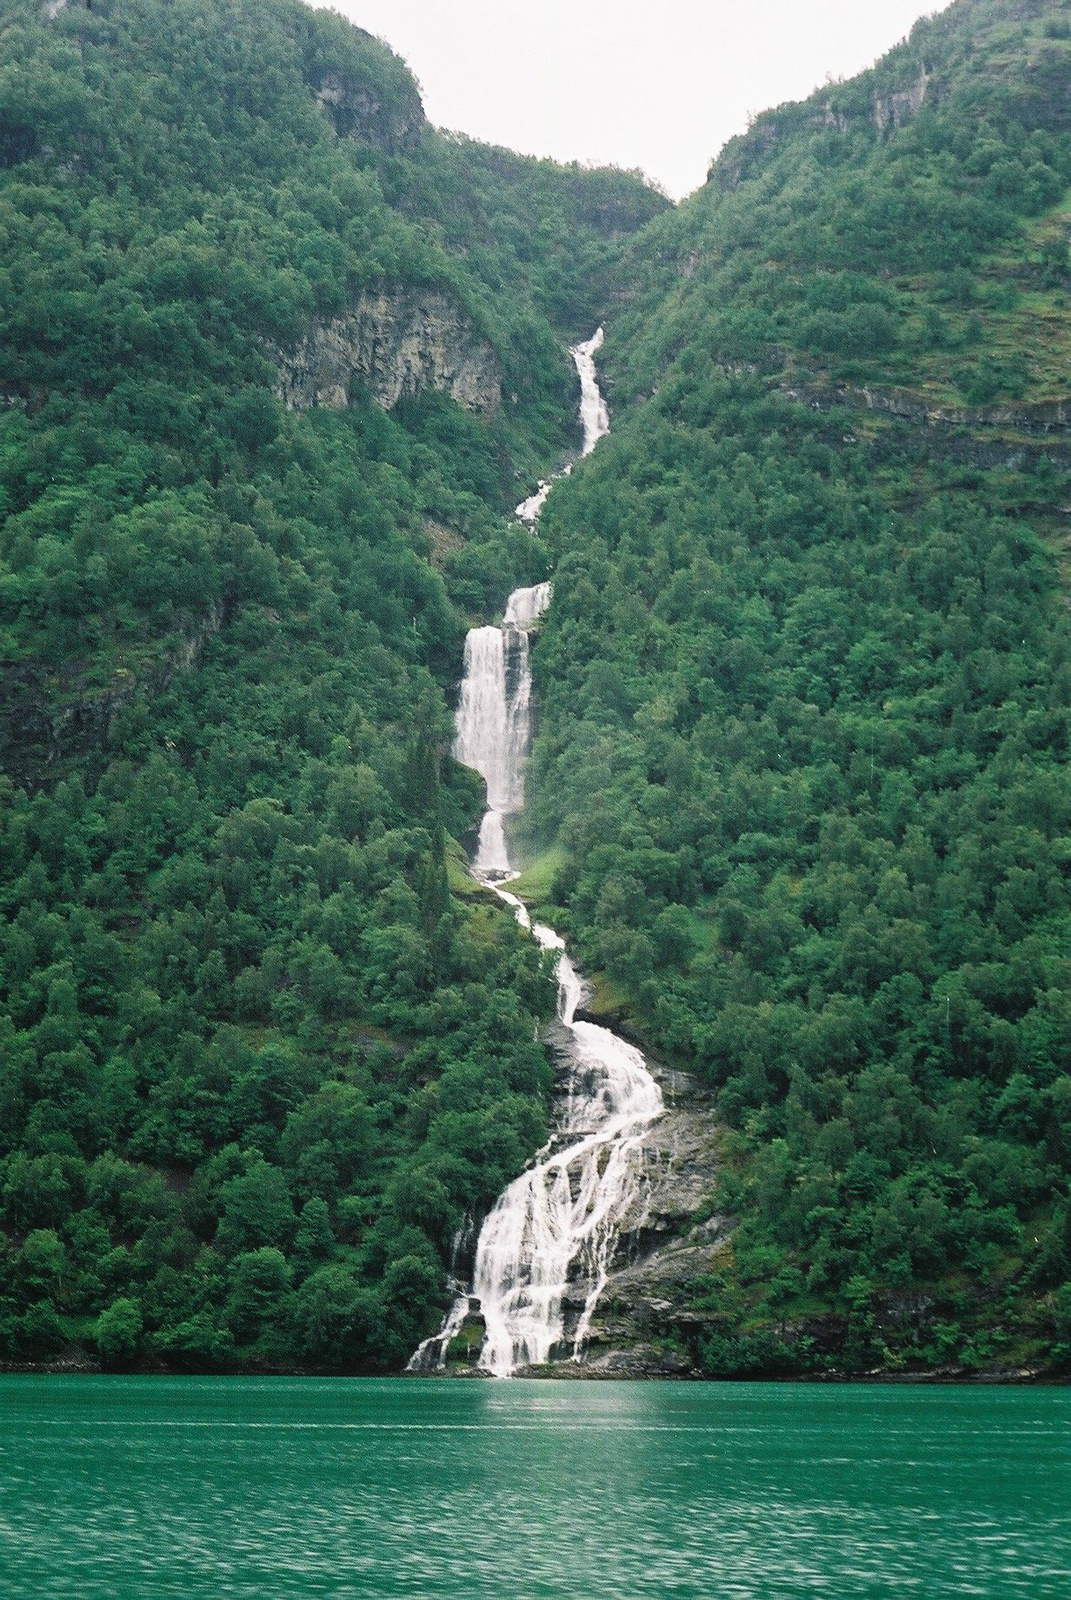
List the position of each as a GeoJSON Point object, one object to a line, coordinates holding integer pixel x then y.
{"type": "Point", "coordinates": [275, 357]}
{"type": "Point", "coordinates": [805, 686]}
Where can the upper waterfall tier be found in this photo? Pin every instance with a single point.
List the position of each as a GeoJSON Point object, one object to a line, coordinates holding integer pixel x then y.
{"type": "Point", "coordinates": [524, 606]}
{"type": "Point", "coordinates": [494, 719]}
{"type": "Point", "coordinates": [594, 417]}
{"type": "Point", "coordinates": [594, 420]}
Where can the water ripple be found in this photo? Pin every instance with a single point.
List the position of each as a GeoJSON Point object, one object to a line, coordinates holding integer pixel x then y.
{"type": "Point", "coordinates": [137, 1489]}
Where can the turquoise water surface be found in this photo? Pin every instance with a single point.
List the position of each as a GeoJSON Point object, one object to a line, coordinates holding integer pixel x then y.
{"type": "Point", "coordinates": [266, 1489]}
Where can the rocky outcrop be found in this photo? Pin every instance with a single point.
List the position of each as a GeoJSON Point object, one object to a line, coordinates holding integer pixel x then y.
{"type": "Point", "coordinates": [1042, 419]}
{"type": "Point", "coordinates": [47, 715]}
{"type": "Point", "coordinates": [894, 110]}
{"type": "Point", "coordinates": [645, 1305]}
{"type": "Point", "coordinates": [365, 91]}
{"type": "Point", "coordinates": [358, 111]}
{"type": "Point", "coordinates": [1039, 418]}
{"type": "Point", "coordinates": [1015, 437]}
{"type": "Point", "coordinates": [397, 343]}
{"type": "Point", "coordinates": [886, 111]}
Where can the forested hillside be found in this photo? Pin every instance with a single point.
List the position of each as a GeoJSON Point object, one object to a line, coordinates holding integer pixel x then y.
{"type": "Point", "coordinates": [276, 360]}
{"type": "Point", "coordinates": [257, 1059]}
{"type": "Point", "coordinates": [802, 776]}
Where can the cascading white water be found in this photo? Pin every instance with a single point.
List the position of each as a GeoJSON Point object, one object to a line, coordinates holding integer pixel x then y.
{"type": "Point", "coordinates": [594, 419]}
{"type": "Point", "coordinates": [544, 1251]}
{"type": "Point", "coordinates": [594, 416]}
{"type": "Point", "coordinates": [493, 720]}
{"type": "Point", "coordinates": [553, 1231]}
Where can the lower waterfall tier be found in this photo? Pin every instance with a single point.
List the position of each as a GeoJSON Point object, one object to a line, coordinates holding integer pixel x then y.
{"type": "Point", "coordinates": [544, 1252]}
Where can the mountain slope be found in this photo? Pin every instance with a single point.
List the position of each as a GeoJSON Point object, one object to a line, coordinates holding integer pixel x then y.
{"type": "Point", "coordinates": [805, 704]}
{"type": "Point", "coordinates": [259, 1054]}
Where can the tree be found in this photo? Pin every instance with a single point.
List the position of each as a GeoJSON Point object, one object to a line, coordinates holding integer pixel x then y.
{"type": "Point", "coordinates": [118, 1332]}
{"type": "Point", "coordinates": [257, 1210]}
{"type": "Point", "coordinates": [260, 1285]}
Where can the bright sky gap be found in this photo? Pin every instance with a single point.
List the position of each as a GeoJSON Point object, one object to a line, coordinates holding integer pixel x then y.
{"type": "Point", "coordinates": [623, 82]}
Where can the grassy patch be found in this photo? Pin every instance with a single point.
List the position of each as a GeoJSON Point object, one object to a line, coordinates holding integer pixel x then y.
{"type": "Point", "coordinates": [606, 999]}
{"type": "Point", "coordinates": [458, 875]}
{"type": "Point", "coordinates": [535, 883]}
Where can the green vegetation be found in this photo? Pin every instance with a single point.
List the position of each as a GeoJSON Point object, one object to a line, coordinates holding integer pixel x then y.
{"type": "Point", "coordinates": [831, 243]}
{"type": "Point", "coordinates": [801, 787]}
{"type": "Point", "coordinates": [805, 687]}
{"type": "Point", "coordinates": [536, 882]}
{"type": "Point", "coordinates": [258, 1056]}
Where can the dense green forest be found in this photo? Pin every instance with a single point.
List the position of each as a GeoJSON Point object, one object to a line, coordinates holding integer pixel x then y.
{"type": "Point", "coordinates": [806, 681]}
{"type": "Point", "coordinates": [800, 791]}
{"type": "Point", "coordinates": [258, 1057]}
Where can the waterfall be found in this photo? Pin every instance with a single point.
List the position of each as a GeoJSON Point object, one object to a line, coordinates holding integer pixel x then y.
{"type": "Point", "coordinates": [594, 420]}
{"type": "Point", "coordinates": [544, 1252]}
{"type": "Point", "coordinates": [594, 417]}
{"type": "Point", "coordinates": [493, 720]}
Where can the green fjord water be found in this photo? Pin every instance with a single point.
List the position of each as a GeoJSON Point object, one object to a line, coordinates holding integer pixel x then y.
{"type": "Point", "coordinates": [140, 1489]}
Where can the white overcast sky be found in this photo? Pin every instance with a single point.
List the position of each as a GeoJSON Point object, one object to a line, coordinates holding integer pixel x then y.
{"type": "Point", "coordinates": [657, 84]}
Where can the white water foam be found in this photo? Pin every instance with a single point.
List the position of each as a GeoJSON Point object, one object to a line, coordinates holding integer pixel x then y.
{"type": "Point", "coordinates": [544, 1251]}
{"type": "Point", "coordinates": [594, 420]}
{"type": "Point", "coordinates": [594, 417]}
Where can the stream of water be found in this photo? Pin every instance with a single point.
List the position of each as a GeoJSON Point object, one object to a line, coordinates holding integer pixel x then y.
{"type": "Point", "coordinates": [594, 419]}
{"type": "Point", "coordinates": [543, 1254]}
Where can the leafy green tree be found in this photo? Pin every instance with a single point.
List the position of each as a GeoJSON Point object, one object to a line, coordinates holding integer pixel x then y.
{"type": "Point", "coordinates": [260, 1289]}
{"type": "Point", "coordinates": [257, 1210]}
{"type": "Point", "coordinates": [119, 1332]}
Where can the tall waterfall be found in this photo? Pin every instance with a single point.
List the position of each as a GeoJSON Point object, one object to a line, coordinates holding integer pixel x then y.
{"type": "Point", "coordinates": [544, 1251]}
{"type": "Point", "coordinates": [493, 720]}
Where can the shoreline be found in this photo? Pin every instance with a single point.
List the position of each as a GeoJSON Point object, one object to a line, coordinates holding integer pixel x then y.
{"type": "Point", "coordinates": [1022, 1377]}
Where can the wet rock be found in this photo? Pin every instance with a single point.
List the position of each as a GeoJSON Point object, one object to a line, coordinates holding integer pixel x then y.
{"type": "Point", "coordinates": [662, 1249]}
{"type": "Point", "coordinates": [637, 1361]}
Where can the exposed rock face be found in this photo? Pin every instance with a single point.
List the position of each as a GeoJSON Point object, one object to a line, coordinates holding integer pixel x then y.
{"type": "Point", "coordinates": [398, 343]}
{"type": "Point", "coordinates": [47, 715]}
{"type": "Point", "coordinates": [1016, 437]}
{"type": "Point", "coordinates": [660, 1252]}
{"type": "Point", "coordinates": [894, 110]}
{"type": "Point", "coordinates": [744, 156]}
{"type": "Point", "coordinates": [663, 1249]}
{"type": "Point", "coordinates": [356, 111]}
{"type": "Point", "coordinates": [1043, 418]}
{"type": "Point", "coordinates": [363, 89]}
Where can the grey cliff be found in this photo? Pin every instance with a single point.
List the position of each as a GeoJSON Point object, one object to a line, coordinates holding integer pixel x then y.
{"type": "Point", "coordinates": [398, 343]}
